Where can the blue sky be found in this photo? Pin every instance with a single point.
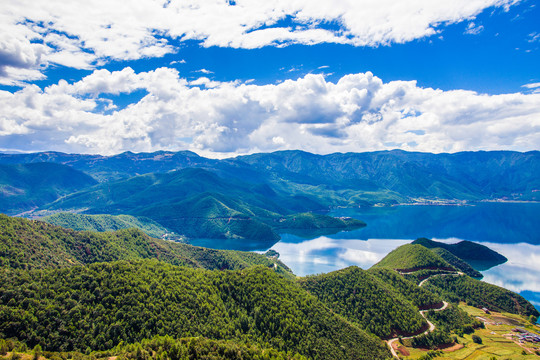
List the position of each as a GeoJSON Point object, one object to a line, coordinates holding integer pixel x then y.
{"type": "Point", "coordinates": [223, 78]}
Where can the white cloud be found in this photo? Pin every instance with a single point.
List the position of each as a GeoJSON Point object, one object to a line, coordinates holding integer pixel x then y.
{"type": "Point", "coordinates": [85, 34]}
{"type": "Point", "coordinates": [534, 37]}
{"type": "Point", "coordinates": [532, 85]}
{"type": "Point", "coordinates": [357, 113]}
{"type": "Point", "coordinates": [204, 71]}
{"type": "Point", "coordinates": [206, 82]}
{"type": "Point", "coordinates": [474, 29]}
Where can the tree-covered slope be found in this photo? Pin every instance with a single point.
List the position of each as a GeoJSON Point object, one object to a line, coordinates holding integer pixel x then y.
{"type": "Point", "coordinates": [465, 175]}
{"type": "Point", "coordinates": [200, 204]}
{"type": "Point", "coordinates": [103, 222]}
{"type": "Point", "coordinates": [311, 221]}
{"type": "Point", "coordinates": [214, 215]}
{"type": "Point", "coordinates": [114, 167]}
{"type": "Point", "coordinates": [159, 347]}
{"type": "Point", "coordinates": [366, 300]}
{"type": "Point", "coordinates": [417, 295]}
{"type": "Point", "coordinates": [139, 192]}
{"type": "Point", "coordinates": [480, 294]}
{"type": "Point", "coordinates": [386, 175]}
{"type": "Point", "coordinates": [473, 253]}
{"type": "Point", "coordinates": [27, 186]}
{"type": "Point", "coordinates": [30, 244]}
{"type": "Point", "coordinates": [457, 263]}
{"type": "Point", "coordinates": [410, 257]}
{"type": "Point", "coordinates": [100, 305]}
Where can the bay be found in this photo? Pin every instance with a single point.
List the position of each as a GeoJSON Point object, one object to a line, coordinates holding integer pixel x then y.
{"type": "Point", "coordinates": [512, 229]}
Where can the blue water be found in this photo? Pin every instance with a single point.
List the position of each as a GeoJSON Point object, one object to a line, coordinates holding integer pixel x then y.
{"type": "Point", "coordinates": [482, 222]}
{"type": "Point", "coordinates": [512, 229]}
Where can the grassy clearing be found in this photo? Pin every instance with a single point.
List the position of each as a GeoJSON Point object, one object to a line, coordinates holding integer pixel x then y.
{"type": "Point", "coordinates": [496, 342]}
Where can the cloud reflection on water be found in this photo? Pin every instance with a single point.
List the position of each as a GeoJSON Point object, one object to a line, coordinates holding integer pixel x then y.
{"type": "Point", "coordinates": [324, 254]}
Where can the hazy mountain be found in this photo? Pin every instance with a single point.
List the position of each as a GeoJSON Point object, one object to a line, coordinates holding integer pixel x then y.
{"type": "Point", "coordinates": [25, 187]}
{"type": "Point", "coordinates": [466, 175]}
{"type": "Point", "coordinates": [396, 174]}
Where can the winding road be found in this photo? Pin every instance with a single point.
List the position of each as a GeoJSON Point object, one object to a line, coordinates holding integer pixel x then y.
{"type": "Point", "coordinates": [422, 312]}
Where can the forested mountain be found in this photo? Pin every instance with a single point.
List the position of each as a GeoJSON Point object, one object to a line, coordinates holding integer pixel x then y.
{"type": "Point", "coordinates": [366, 300]}
{"type": "Point", "coordinates": [479, 256]}
{"type": "Point", "coordinates": [413, 257]}
{"type": "Point", "coordinates": [425, 254]}
{"type": "Point", "coordinates": [251, 196]}
{"type": "Point", "coordinates": [99, 305]}
{"type": "Point", "coordinates": [418, 296]}
{"type": "Point", "coordinates": [457, 263]}
{"type": "Point", "coordinates": [30, 244]}
{"type": "Point", "coordinates": [25, 187]}
{"type": "Point", "coordinates": [199, 203]}
{"type": "Point", "coordinates": [387, 174]}
{"type": "Point", "coordinates": [480, 294]}
{"type": "Point", "coordinates": [119, 166]}
{"type": "Point", "coordinates": [84, 291]}
{"type": "Point", "coordinates": [417, 262]}
{"type": "Point", "coordinates": [465, 175]}
{"type": "Point", "coordinates": [101, 223]}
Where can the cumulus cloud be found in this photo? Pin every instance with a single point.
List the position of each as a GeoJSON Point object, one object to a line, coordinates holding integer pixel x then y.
{"type": "Point", "coordinates": [357, 113]}
{"type": "Point", "coordinates": [86, 34]}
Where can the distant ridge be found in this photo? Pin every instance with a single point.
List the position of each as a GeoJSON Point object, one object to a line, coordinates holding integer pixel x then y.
{"type": "Point", "coordinates": [255, 195]}
{"type": "Point", "coordinates": [463, 175]}
{"type": "Point", "coordinates": [25, 187]}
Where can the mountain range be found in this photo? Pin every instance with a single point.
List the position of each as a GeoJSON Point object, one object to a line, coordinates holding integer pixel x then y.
{"type": "Point", "coordinates": [256, 195]}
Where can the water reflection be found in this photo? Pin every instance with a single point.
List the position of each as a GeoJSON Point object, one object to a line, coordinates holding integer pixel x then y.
{"type": "Point", "coordinates": [510, 229]}
{"type": "Point", "coordinates": [520, 273]}
{"type": "Point", "coordinates": [325, 254]}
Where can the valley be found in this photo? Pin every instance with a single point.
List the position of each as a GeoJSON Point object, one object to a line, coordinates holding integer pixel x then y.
{"type": "Point", "coordinates": [107, 265]}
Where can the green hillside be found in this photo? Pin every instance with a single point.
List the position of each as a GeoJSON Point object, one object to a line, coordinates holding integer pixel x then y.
{"type": "Point", "coordinates": [30, 244]}
{"type": "Point", "coordinates": [479, 256]}
{"type": "Point", "coordinates": [200, 204]}
{"type": "Point", "coordinates": [335, 179]}
{"type": "Point", "coordinates": [311, 221]}
{"type": "Point", "coordinates": [366, 300]}
{"type": "Point", "coordinates": [102, 222]}
{"type": "Point", "coordinates": [99, 305]}
{"type": "Point", "coordinates": [158, 347]}
{"type": "Point", "coordinates": [417, 295]}
{"type": "Point", "coordinates": [480, 294]}
{"type": "Point", "coordinates": [27, 186]}
{"type": "Point", "coordinates": [413, 257]}
{"type": "Point", "coordinates": [457, 262]}
{"type": "Point", "coordinates": [140, 192]}
{"type": "Point", "coordinates": [213, 216]}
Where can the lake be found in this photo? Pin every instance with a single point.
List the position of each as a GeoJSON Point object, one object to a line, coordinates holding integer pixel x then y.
{"type": "Point", "coordinates": [512, 229]}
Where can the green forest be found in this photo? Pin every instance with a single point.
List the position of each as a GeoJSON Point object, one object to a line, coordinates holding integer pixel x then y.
{"type": "Point", "coordinates": [96, 307]}
{"type": "Point", "coordinates": [32, 244]}
{"type": "Point", "coordinates": [480, 294]}
{"type": "Point", "coordinates": [367, 300]}
{"type": "Point", "coordinates": [412, 257]}
{"type": "Point", "coordinates": [83, 294]}
{"type": "Point", "coordinates": [104, 222]}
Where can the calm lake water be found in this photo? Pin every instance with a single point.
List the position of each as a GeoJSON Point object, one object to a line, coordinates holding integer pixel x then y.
{"type": "Point", "coordinates": [508, 228]}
